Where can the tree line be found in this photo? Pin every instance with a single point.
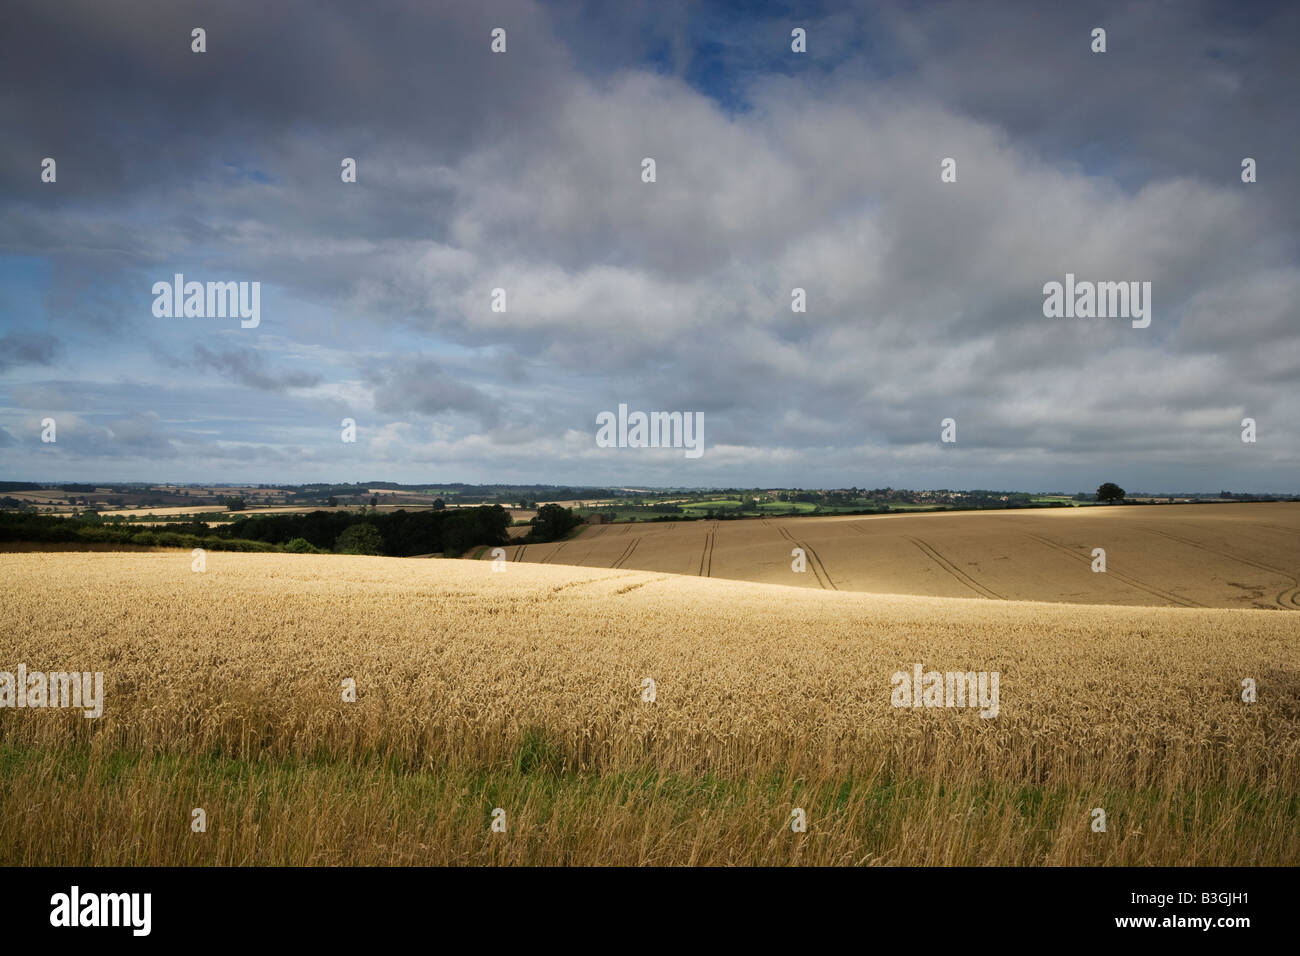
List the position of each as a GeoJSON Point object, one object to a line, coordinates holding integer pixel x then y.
{"type": "Point", "coordinates": [450, 532]}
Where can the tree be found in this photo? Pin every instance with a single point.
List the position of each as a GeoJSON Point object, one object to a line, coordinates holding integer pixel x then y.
{"type": "Point", "coordinates": [360, 538]}
{"type": "Point", "coordinates": [233, 504]}
{"type": "Point", "coordinates": [1110, 492]}
{"type": "Point", "coordinates": [553, 522]}
{"type": "Point", "coordinates": [333, 502]}
{"type": "Point", "coordinates": [374, 501]}
{"type": "Point", "coordinates": [439, 504]}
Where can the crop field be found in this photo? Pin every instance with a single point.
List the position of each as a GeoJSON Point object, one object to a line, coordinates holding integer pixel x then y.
{"type": "Point", "coordinates": [1225, 556]}
{"type": "Point", "coordinates": [616, 716]}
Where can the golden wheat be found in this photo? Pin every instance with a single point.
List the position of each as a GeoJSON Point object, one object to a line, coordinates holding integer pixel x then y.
{"type": "Point", "coordinates": [524, 690]}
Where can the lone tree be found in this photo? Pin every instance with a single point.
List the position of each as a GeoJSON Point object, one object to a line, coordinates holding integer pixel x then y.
{"type": "Point", "coordinates": [553, 522]}
{"type": "Point", "coordinates": [1110, 493]}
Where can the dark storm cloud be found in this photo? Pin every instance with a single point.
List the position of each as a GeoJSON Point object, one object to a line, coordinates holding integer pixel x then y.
{"type": "Point", "coordinates": [27, 348]}
{"type": "Point", "coordinates": [522, 171]}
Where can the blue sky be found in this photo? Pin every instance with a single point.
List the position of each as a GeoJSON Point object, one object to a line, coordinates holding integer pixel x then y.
{"type": "Point", "coordinates": [775, 170]}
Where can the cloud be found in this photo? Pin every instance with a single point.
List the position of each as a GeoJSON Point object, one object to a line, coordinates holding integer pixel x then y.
{"type": "Point", "coordinates": [417, 384]}
{"type": "Point", "coordinates": [248, 367]}
{"type": "Point", "coordinates": [27, 348]}
{"type": "Point", "coordinates": [522, 172]}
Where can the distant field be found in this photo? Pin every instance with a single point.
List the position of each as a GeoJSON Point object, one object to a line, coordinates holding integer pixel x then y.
{"type": "Point", "coordinates": [1229, 556]}
{"type": "Point", "coordinates": [524, 691]}
{"type": "Point", "coordinates": [180, 511]}
{"type": "Point", "coordinates": [699, 507]}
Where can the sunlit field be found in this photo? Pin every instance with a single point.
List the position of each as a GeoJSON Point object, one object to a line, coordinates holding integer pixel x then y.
{"type": "Point", "coordinates": [629, 717]}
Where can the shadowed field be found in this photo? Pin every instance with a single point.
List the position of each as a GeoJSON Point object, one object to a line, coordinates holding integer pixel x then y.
{"type": "Point", "coordinates": [1228, 556]}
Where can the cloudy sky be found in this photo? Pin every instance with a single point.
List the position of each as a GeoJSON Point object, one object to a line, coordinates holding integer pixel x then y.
{"type": "Point", "coordinates": [522, 170]}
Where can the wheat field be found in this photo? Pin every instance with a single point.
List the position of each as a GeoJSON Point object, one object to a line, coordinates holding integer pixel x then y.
{"type": "Point", "coordinates": [1226, 555]}
{"type": "Point", "coordinates": [524, 691]}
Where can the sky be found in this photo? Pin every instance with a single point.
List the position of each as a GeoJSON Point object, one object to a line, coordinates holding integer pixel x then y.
{"type": "Point", "coordinates": [775, 170]}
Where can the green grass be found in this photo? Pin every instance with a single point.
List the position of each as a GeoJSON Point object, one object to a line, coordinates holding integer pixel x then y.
{"type": "Point", "coordinates": [714, 503]}
{"type": "Point", "coordinates": [76, 806]}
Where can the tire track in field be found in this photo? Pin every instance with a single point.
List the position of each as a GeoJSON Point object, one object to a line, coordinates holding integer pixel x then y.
{"type": "Point", "coordinates": [550, 595]}
{"type": "Point", "coordinates": [706, 556]}
{"type": "Point", "coordinates": [786, 534]}
{"type": "Point", "coordinates": [955, 571]}
{"type": "Point", "coordinates": [818, 567]}
{"type": "Point", "coordinates": [1286, 598]}
{"type": "Point", "coordinates": [519, 555]}
{"type": "Point", "coordinates": [627, 553]}
{"type": "Point", "coordinates": [552, 556]}
{"type": "Point", "coordinates": [817, 559]}
{"type": "Point", "coordinates": [641, 584]}
{"type": "Point", "coordinates": [1277, 527]}
{"type": "Point", "coordinates": [626, 549]}
{"type": "Point", "coordinates": [1126, 578]}
{"type": "Point", "coordinates": [816, 574]}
